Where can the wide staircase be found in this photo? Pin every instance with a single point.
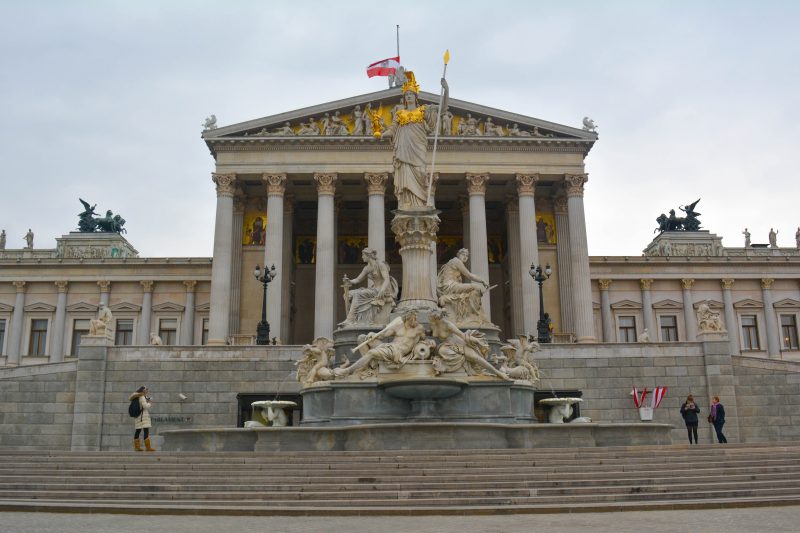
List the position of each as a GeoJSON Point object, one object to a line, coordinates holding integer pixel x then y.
{"type": "Point", "coordinates": [403, 482]}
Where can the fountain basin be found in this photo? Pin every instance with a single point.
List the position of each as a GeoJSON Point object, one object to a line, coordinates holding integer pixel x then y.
{"type": "Point", "coordinates": [560, 408]}
{"type": "Point", "coordinates": [423, 388]}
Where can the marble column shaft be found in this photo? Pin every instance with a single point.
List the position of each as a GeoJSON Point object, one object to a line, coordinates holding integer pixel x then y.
{"type": "Point", "coordinates": [689, 315]}
{"type": "Point", "coordinates": [647, 308]}
{"type": "Point", "coordinates": [273, 248]}
{"type": "Point", "coordinates": [236, 262]}
{"type": "Point", "coordinates": [286, 270]}
{"type": "Point", "coordinates": [515, 294]}
{"type": "Point", "coordinates": [731, 323]}
{"type": "Point", "coordinates": [773, 334]}
{"type": "Point", "coordinates": [479, 251]}
{"type": "Point", "coordinates": [105, 292]}
{"type": "Point", "coordinates": [15, 340]}
{"type": "Point", "coordinates": [326, 248]}
{"type": "Point", "coordinates": [605, 311]}
{"type": "Point", "coordinates": [564, 265]}
{"type": "Point", "coordinates": [529, 250]}
{"type": "Point", "coordinates": [59, 324]}
{"type": "Point", "coordinates": [147, 312]}
{"type": "Point", "coordinates": [221, 266]}
{"type": "Point", "coordinates": [187, 327]}
{"type": "Point", "coordinates": [376, 226]}
{"type": "Point", "coordinates": [579, 252]}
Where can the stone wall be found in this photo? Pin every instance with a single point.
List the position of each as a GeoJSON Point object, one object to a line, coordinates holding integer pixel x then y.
{"type": "Point", "coordinates": [36, 407]}
{"type": "Point", "coordinates": [768, 399]}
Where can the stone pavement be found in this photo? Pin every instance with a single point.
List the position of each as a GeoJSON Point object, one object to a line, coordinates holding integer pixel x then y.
{"type": "Point", "coordinates": [772, 519]}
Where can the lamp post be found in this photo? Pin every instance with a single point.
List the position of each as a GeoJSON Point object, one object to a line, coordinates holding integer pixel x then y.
{"type": "Point", "coordinates": [543, 325]}
{"type": "Point", "coordinates": [262, 330]}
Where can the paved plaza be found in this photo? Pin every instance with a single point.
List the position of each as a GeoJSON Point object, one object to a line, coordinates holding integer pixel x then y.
{"type": "Point", "coordinates": [772, 519]}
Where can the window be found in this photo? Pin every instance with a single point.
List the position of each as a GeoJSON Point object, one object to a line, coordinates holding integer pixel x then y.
{"type": "Point", "coordinates": [669, 328]}
{"type": "Point", "coordinates": [168, 331]}
{"type": "Point", "coordinates": [80, 327]}
{"type": "Point", "coordinates": [2, 333]}
{"type": "Point", "coordinates": [627, 329]}
{"type": "Point", "coordinates": [123, 335]}
{"type": "Point", "coordinates": [204, 339]}
{"type": "Point", "coordinates": [749, 332]}
{"type": "Point", "coordinates": [38, 341]}
{"type": "Point", "coordinates": [788, 332]}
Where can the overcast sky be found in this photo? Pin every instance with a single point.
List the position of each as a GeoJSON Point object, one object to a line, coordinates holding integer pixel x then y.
{"type": "Point", "coordinates": [105, 100]}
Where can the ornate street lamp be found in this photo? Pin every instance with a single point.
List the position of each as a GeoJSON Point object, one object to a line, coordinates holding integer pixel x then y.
{"type": "Point", "coordinates": [543, 325]}
{"type": "Point", "coordinates": [262, 330]}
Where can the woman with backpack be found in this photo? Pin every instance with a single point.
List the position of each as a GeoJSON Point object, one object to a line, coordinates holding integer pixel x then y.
{"type": "Point", "coordinates": [140, 411]}
{"type": "Point", "coordinates": [689, 412]}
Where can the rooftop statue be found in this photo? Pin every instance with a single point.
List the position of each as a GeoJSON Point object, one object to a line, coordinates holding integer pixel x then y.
{"type": "Point", "coordinates": [88, 223]}
{"type": "Point", "coordinates": [589, 125]}
{"type": "Point", "coordinates": [210, 123]}
{"type": "Point", "coordinates": [675, 223]}
{"type": "Point", "coordinates": [409, 131]}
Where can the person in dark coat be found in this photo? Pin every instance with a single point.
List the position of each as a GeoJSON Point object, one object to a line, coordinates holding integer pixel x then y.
{"type": "Point", "coordinates": [718, 419]}
{"type": "Point", "coordinates": [689, 411]}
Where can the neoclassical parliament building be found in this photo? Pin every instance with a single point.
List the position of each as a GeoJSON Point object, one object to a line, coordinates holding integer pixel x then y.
{"type": "Point", "coordinates": [307, 190]}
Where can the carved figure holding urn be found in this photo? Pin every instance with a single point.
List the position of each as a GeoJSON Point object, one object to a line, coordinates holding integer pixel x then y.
{"type": "Point", "coordinates": [373, 303]}
{"type": "Point", "coordinates": [708, 320]}
{"type": "Point", "coordinates": [100, 325]}
{"type": "Point", "coordinates": [460, 298]}
{"type": "Point", "coordinates": [409, 132]}
{"type": "Point", "coordinates": [460, 349]}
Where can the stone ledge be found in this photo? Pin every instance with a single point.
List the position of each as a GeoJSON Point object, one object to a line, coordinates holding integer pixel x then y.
{"type": "Point", "coordinates": [765, 364]}
{"type": "Point", "coordinates": [38, 370]}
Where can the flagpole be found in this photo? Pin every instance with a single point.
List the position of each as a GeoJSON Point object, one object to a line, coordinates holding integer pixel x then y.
{"type": "Point", "coordinates": [436, 132]}
{"type": "Point", "coordinates": [398, 40]}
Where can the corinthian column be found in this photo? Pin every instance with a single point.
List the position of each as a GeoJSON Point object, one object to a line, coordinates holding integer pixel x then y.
{"type": "Point", "coordinates": [236, 260]}
{"type": "Point", "coordinates": [187, 329]}
{"type": "Point", "coordinates": [105, 291]}
{"type": "Point", "coordinates": [564, 265]}
{"type": "Point", "coordinates": [59, 323]}
{"type": "Point", "coordinates": [605, 311]}
{"type": "Point", "coordinates": [16, 324]}
{"type": "Point", "coordinates": [286, 269]}
{"type": "Point", "coordinates": [688, 310]}
{"type": "Point", "coordinates": [529, 249]}
{"type": "Point", "coordinates": [221, 266]}
{"type": "Point", "coordinates": [326, 248]}
{"type": "Point", "coordinates": [147, 310]}
{"type": "Point", "coordinates": [730, 316]}
{"type": "Point", "coordinates": [479, 252]}
{"type": "Point", "coordinates": [773, 347]}
{"type": "Point", "coordinates": [273, 247]}
{"type": "Point", "coordinates": [376, 231]}
{"type": "Point", "coordinates": [579, 252]}
{"type": "Point", "coordinates": [647, 307]}
{"type": "Point", "coordinates": [512, 222]}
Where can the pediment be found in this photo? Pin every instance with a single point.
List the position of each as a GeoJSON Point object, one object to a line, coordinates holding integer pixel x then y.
{"type": "Point", "coordinates": [748, 303]}
{"type": "Point", "coordinates": [5, 308]}
{"type": "Point", "coordinates": [667, 304]}
{"type": "Point", "coordinates": [82, 306]}
{"type": "Point", "coordinates": [713, 304]}
{"type": "Point", "coordinates": [168, 306]}
{"type": "Point", "coordinates": [626, 304]}
{"type": "Point", "coordinates": [286, 127]}
{"type": "Point", "coordinates": [787, 303]}
{"type": "Point", "coordinates": [125, 306]}
{"type": "Point", "coordinates": [203, 307]}
{"type": "Point", "coordinates": [40, 307]}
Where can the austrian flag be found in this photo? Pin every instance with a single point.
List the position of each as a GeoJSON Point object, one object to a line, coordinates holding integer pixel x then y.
{"type": "Point", "coordinates": [384, 67]}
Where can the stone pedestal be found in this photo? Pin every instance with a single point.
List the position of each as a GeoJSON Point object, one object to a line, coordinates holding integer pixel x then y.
{"type": "Point", "coordinates": [415, 231]}
{"type": "Point", "coordinates": [90, 391]}
{"type": "Point", "coordinates": [685, 244]}
{"type": "Point", "coordinates": [77, 245]}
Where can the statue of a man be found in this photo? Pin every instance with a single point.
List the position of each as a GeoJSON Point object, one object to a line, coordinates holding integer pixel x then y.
{"type": "Point", "coordinates": [364, 305]}
{"type": "Point", "coordinates": [461, 298]}
{"type": "Point", "coordinates": [3, 240]}
{"type": "Point", "coordinates": [409, 132]}
{"type": "Point", "coordinates": [746, 238]}
{"type": "Point", "coordinates": [796, 237]}
{"type": "Point", "coordinates": [29, 239]}
{"type": "Point", "coordinates": [773, 238]}
{"type": "Point", "coordinates": [406, 333]}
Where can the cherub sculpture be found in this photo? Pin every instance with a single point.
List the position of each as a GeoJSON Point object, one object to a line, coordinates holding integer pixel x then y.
{"type": "Point", "coordinates": [517, 359]}
{"type": "Point", "coordinates": [317, 361]}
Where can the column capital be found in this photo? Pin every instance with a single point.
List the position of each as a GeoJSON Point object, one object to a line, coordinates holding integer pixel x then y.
{"type": "Point", "coordinates": [326, 183]}
{"type": "Point", "coordinates": [147, 286]}
{"type": "Point", "coordinates": [575, 183]}
{"type": "Point", "coordinates": [62, 285]}
{"type": "Point", "coordinates": [376, 182]}
{"type": "Point", "coordinates": [687, 283]}
{"type": "Point", "coordinates": [604, 284]}
{"type": "Point", "coordinates": [19, 285]}
{"type": "Point", "coordinates": [190, 285]}
{"type": "Point", "coordinates": [476, 183]}
{"type": "Point", "coordinates": [727, 283]}
{"type": "Point", "coordinates": [645, 284]}
{"type": "Point", "coordinates": [224, 183]}
{"type": "Point", "coordinates": [276, 184]}
{"type": "Point", "coordinates": [560, 203]}
{"type": "Point", "coordinates": [526, 184]}
{"type": "Point", "coordinates": [105, 286]}
{"type": "Point", "coordinates": [766, 283]}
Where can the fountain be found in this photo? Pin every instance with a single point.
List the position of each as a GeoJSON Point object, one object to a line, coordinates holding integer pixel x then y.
{"type": "Point", "coordinates": [560, 408]}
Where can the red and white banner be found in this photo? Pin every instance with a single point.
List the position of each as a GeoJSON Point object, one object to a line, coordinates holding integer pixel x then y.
{"type": "Point", "coordinates": [384, 67]}
{"type": "Point", "coordinates": [658, 395]}
{"type": "Point", "coordinates": [638, 400]}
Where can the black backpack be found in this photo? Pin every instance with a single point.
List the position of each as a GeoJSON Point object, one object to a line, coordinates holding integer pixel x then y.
{"type": "Point", "coordinates": [135, 408]}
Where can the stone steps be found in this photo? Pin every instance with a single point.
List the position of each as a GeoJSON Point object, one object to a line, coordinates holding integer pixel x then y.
{"type": "Point", "coordinates": [392, 482]}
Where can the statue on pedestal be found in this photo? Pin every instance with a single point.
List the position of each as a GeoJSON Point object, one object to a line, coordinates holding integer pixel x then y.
{"type": "Point", "coordinates": [460, 349]}
{"type": "Point", "coordinates": [100, 325]}
{"type": "Point", "coordinates": [773, 238]}
{"type": "Point", "coordinates": [373, 303]}
{"type": "Point", "coordinates": [409, 131]}
{"type": "Point", "coordinates": [461, 300]}
{"type": "Point", "coordinates": [708, 320]}
{"type": "Point", "coordinates": [29, 239]}
{"type": "Point", "coordinates": [3, 240]}
{"type": "Point", "coordinates": [746, 238]}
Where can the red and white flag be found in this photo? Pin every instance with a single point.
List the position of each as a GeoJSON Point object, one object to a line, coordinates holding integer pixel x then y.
{"type": "Point", "coordinates": [638, 400]}
{"type": "Point", "coordinates": [384, 67]}
{"type": "Point", "coordinates": [658, 395]}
